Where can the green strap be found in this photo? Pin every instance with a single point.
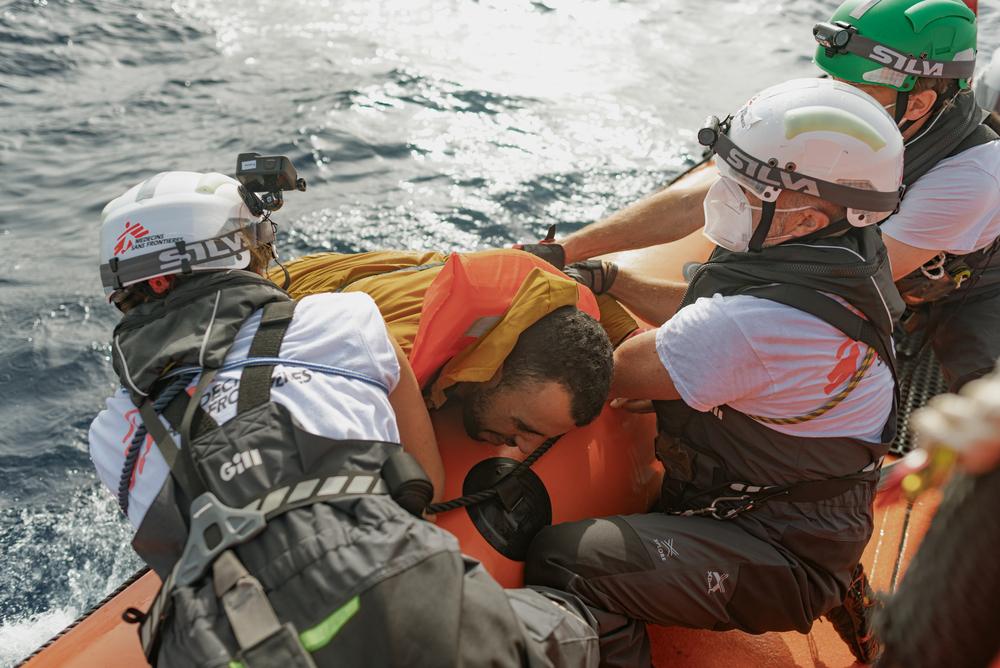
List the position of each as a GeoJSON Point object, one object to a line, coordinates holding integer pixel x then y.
{"type": "Point", "coordinates": [319, 636]}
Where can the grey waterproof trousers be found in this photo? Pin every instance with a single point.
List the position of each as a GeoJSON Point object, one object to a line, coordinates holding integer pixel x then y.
{"type": "Point", "coordinates": [393, 591]}
{"type": "Point", "coordinates": [752, 573]}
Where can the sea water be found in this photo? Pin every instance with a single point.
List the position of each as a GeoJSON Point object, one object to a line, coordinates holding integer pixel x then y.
{"type": "Point", "coordinates": [443, 124]}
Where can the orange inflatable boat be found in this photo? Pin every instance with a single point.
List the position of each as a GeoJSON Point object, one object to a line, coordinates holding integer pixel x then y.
{"type": "Point", "coordinates": [612, 455]}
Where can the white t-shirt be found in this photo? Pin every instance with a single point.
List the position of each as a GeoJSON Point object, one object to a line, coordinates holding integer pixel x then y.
{"type": "Point", "coordinates": [338, 368]}
{"type": "Point", "coordinates": [954, 207]}
{"type": "Point", "coordinates": [765, 358]}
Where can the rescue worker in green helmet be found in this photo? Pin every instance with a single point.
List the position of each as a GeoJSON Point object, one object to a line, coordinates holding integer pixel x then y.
{"type": "Point", "coordinates": [773, 385]}
{"type": "Point", "coordinates": [917, 59]}
{"type": "Point", "coordinates": [254, 446]}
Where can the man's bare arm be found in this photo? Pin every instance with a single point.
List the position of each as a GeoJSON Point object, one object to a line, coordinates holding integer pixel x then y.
{"type": "Point", "coordinates": [665, 216]}
{"type": "Point", "coordinates": [415, 429]}
{"type": "Point", "coordinates": [639, 373]}
{"type": "Point", "coordinates": [655, 300]}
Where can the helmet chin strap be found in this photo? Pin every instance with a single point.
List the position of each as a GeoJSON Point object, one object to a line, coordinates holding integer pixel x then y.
{"type": "Point", "coordinates": [764, 227]}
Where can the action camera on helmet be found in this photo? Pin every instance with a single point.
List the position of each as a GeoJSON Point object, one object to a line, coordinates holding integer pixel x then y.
{"type": "Point", "coordinates": [267, 174]}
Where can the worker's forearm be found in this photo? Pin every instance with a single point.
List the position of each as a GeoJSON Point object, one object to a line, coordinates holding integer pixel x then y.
{"type": "Point", "coordinates": [652, 299]}
{"type": "Point", "coordinates": [665, 216]}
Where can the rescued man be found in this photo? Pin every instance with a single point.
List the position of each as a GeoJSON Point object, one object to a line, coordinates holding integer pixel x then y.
{"type": "Point", "coordinates": [773, 385]}
{"type": "Point", "coordinates": [284, 525]}
{"type": "Point", "coordinates": [916, 57]}
{"type": "Point", "coordinates": [513, 339]}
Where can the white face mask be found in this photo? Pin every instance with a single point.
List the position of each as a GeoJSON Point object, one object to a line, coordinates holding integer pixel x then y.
{"type": "Point", "coordinates": [728, 217]}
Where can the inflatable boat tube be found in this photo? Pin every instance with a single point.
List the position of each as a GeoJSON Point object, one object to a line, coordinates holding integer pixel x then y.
{"type": "Point", "coordinates": [602, 469]}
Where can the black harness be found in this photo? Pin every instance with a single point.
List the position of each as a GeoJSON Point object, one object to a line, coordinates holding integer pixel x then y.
{"type": "Point", "coordinates": [231, 480]}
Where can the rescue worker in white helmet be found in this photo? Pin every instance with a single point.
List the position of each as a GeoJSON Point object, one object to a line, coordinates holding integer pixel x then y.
{"type": "Point", "coordinates": [916, 57]}
{"type": "Point", "coordinates": [254, 445]}
{"type": "Point", "coordinates": [773, 385]}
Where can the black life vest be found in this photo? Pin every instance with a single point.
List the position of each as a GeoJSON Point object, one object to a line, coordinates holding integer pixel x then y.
{"type": "Point", "coordinates": [724, 452]}
{"type": "Point", "coordinates": [244, 499]}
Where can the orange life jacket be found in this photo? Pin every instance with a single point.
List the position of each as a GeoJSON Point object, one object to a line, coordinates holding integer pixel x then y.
{"type": "Point", "coordinates": [456, 316]}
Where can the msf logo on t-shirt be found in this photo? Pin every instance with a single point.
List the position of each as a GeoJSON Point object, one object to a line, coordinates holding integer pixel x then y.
{"type": "Point", "coordinates": [241, 462]}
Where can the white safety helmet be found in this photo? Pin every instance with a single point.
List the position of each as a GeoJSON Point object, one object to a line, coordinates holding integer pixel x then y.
{"type": "Point", "coordinates": [816, 136]}
{"type": "Point", "coordinates": [987, 85]}
{"type": "Point", "coordinates": [177, 223]}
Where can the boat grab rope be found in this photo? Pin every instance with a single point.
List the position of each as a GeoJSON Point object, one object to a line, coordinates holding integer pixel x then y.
{"type": "Point", "coordinates": [490, 492]}
{"type": "Point", "coordinates": [94, 608]}
{"type": "Point", "coordinates": [831, 403]}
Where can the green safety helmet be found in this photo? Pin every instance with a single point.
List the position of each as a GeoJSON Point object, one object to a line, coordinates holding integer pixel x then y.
{"type": "Point", "coordinates": [894, 42]}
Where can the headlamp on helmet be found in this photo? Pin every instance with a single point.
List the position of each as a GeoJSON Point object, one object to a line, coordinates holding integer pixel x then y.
{"type": "Point", "coordinates": [268, 174]}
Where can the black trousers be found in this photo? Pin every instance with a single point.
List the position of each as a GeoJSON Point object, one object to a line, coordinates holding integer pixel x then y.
{"type": "Point", "coordinates": [748, 573]}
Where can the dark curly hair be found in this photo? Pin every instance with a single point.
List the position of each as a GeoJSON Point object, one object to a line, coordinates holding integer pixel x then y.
{"type": "Point", "coordinates": [571, 348]}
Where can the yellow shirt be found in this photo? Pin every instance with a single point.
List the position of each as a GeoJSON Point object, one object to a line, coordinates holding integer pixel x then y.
{"type": "Point", "coordinates": [398, 282]}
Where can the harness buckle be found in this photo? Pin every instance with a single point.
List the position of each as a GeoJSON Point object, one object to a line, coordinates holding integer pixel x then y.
{"type": "Point", "coordinates": [215, 527]}
{"type": "Point", "coordinates": [717, 508]}
{"type": "Point", "coordinates": [739, 504]}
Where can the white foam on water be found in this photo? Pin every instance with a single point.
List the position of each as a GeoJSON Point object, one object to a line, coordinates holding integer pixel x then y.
{"type": "Point", "coordinates": [19, 638]}
{"type": "Point", "coordinates": [71, 556]}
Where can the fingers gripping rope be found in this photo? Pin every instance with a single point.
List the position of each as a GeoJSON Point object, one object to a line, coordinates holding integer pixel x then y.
{"type": "Point", "coordinates": [135, 447]}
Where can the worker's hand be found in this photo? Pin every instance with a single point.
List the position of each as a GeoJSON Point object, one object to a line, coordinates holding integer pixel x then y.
{"type": "Point", "coordinates": [598, 275]}
{"type": "Point", "coordinates": [547, 249]}
{"type": "Point", "coordinates": [633, 405]}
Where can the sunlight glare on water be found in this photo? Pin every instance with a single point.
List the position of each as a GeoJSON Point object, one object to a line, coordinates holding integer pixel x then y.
{"type": "Point", "coordinates": [425, 124]}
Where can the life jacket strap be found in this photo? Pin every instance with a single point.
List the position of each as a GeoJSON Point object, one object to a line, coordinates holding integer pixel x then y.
{"type": "Point", "coordinates": [181, 466]}
{"type": "Point", "coordinates": [255, 381]}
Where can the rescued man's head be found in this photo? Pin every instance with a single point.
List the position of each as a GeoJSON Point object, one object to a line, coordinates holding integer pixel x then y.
{"type": "Point", "coordinates": [557, 377]}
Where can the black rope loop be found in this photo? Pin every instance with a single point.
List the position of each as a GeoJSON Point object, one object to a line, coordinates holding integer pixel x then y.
{"type": "Point", "coordinates": [489, 493]}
